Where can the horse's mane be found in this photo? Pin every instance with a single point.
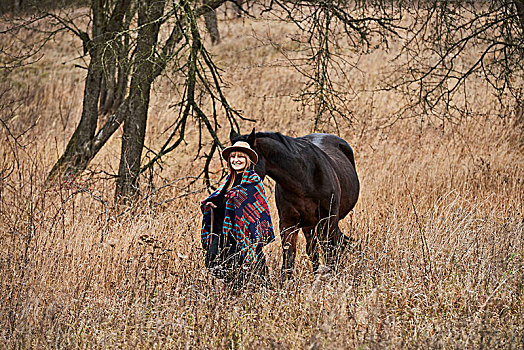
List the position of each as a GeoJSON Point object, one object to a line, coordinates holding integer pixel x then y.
{"type": "Point", "coordinates": [289, 142]}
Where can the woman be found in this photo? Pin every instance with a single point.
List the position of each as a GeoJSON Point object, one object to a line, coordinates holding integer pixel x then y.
{"type": "Point", "coordinates": [237, 223]}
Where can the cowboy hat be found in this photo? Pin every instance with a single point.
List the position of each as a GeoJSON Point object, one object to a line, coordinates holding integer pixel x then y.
{"type": "Point", "coordinates": [241, 146]}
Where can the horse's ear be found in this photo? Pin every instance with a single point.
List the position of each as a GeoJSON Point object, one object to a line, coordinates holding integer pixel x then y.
{"type": "Point", "coordinates": [251, 138]}
{"type": "Point", "coordinates": [233, 135]}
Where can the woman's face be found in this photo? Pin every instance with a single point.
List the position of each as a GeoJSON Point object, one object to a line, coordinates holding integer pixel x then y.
{"type": "Point", "coordinates": [238, 161]}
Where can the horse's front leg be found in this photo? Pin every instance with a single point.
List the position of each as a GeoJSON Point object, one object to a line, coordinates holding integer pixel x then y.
{"type": "Point", "coordinates": [289, 236]}
{"type": "Point", "coordinates": [289, 220]}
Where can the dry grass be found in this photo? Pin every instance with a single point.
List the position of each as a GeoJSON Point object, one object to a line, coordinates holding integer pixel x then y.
{"type": "Point", "coordinates": [439, 222]}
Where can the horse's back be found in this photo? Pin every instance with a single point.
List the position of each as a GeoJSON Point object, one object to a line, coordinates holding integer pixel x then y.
{"type": "Point", "coordinates": [343, 162]}
{"type": "Point", "coordinates": [335, 147]}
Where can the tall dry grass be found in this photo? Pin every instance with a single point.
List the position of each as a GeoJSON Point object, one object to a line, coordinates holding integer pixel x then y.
{"type": "Point", "coordinates": [439, 224]}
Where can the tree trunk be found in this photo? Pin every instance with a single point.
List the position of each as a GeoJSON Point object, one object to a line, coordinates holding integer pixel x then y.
{"type": "Point", "coordinates": [74, 159]}
{"type": "Point", "coordinates": [83, 145]}
{"type": "Point", "coordinates": [149, 13]}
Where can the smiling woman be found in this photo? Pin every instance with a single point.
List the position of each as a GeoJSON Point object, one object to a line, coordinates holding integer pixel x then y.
{"type": "Point", "coordinates": [236, 220]}
{"type": "Point", "coordinates": [238, 161]}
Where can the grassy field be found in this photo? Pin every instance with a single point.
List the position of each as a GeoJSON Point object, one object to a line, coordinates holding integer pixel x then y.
{"type": "Point", "coordinates": [439, 222]}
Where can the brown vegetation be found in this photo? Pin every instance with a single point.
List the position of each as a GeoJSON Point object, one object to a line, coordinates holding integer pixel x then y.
{"type": "Point", "coordinates": [440, 222]}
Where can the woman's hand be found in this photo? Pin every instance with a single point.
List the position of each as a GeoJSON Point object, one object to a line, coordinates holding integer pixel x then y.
{"type": "Point", "coordinates": [210, 204]}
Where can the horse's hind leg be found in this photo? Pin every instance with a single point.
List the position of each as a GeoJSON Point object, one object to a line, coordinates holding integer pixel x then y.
{"type": "Point", "coordinates": [311, 246]}
{"type": "Point", "coordinates": [336, 244]}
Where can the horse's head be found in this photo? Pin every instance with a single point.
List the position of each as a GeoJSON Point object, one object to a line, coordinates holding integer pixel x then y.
{"type": "Point", "coordinates": [260, 167]}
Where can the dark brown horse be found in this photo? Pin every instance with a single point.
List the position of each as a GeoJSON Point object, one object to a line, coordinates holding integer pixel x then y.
{"type": "Point", "coordinates": [316, 187]}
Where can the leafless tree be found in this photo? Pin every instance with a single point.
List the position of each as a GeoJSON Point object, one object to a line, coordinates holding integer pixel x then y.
{"type": "Point", "coordinates": [435, 63]}
{"type": "Point", "coordinates": [126, 56]}
{"type": "Point", "coordinates": [450, 42]}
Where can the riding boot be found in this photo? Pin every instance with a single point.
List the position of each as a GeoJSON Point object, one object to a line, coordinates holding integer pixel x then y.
{"type": "Point", "coordinates": [212, 252]}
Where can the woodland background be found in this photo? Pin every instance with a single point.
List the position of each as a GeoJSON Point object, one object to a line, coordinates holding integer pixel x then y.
{"type": "Point", "coordinates": [439, 221]}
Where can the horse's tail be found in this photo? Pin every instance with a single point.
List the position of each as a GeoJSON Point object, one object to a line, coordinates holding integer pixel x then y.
{"type": "Point", "coordinates": [348, 151]}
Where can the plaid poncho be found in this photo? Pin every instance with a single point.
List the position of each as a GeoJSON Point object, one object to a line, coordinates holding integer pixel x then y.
{"type": "Point", "coordinates": [246, 218]}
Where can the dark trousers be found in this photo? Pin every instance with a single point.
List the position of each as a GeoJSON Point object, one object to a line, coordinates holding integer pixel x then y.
{"type": "Point", "coordinates": [225, 260]}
